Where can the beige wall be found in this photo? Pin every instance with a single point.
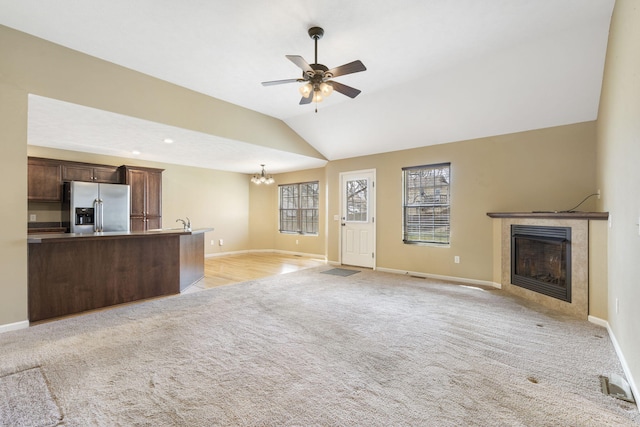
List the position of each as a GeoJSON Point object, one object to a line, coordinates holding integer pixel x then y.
{"type": "Point", "coordinates": [13, 214]}
{"type": "Point", "coordinates": [619, 177]}
{"type": "Point", "coordinates": [31, 65]}
{"type": "Point", "coordinates": [264, 216]}
{"type": "Point", "coordinates": [598, 270]}
{"type": "Point", "coordinates": [546, 169]}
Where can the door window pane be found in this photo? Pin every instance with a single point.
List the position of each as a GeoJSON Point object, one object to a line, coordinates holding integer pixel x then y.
{"type": "Point", "coordinates": [357, 200]}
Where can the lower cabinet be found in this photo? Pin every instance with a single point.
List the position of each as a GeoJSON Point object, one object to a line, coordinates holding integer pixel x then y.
{"type": "Point", "coordinates": [154, 222]}
{"type": "Point", "coordinates": [144, 223]}
{"type": "Point", "coordinates": [112, 271]}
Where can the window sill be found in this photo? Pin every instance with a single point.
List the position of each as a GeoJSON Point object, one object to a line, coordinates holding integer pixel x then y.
{"type": "Point", "coordinates": [433, 245]}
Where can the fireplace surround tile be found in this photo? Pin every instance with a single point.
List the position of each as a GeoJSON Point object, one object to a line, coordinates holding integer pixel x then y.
{"type": "Point", "coordinates": [579, 306]}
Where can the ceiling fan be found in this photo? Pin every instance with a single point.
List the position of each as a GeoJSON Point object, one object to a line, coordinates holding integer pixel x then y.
{"type": "Point", "coordinates": [317, 77]}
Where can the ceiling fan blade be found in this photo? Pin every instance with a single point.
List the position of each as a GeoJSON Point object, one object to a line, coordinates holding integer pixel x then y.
{"type": "Point", "coordinates": [280, 82]}
{"type": "Point", "coordinates": [300, 62]}
{"type": "Point", "coordinates": [350, 68]}
{"type": "Point", "coordinates": [307, 100]}
{"type": "Point", "coordinates": [351, 92]}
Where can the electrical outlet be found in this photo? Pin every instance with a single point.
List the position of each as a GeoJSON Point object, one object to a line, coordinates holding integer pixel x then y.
{"type": "Point", "coordinates": [598, 192]}
{"type": "Point", "coordinates": [221, 242]}
{"type": "Point", "coordinates": [296, 241]}
{"type": "Point", "coordinates": [32, 217]}
{"type": "Point", "coordinates": [212, 243]}
{"type": "Point", "coordinates": [456, 259]}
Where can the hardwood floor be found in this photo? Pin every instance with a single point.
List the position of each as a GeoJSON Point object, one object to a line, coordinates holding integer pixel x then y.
{"type": "Point", "coordinates": [229, 269]}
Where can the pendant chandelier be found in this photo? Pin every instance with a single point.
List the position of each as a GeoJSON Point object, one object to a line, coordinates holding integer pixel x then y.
{"type": "Point", "coordinates": [262, 178]}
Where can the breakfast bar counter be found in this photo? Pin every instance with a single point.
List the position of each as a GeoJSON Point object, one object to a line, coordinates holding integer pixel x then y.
{"type": "Point", "coordinates": [71, 273]}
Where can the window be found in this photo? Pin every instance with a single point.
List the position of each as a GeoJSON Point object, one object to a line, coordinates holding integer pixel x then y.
{"type": "Point", "coordinates": [299, 208]}
{"type": "Point", "coordinates": [426, 216]}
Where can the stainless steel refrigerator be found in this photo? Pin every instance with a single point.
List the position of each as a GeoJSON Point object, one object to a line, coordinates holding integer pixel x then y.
{"type": "Point", "coordinates": [95, 207]}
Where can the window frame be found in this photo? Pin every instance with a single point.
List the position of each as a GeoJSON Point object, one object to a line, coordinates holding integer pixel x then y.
{"type": "Point", "coordinates": [440, 212]}
{"type": "Point", "coordinates": [302, 219]}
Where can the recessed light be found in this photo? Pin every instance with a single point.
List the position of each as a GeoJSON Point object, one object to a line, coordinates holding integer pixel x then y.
{"type": "Point", "coordinates": [168, 140]}
{"type": "Point", "coordinates": [135, 152]}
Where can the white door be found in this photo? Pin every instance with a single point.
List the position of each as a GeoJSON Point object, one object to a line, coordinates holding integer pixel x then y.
{"type": "Point", "coordinates": [358, 233]}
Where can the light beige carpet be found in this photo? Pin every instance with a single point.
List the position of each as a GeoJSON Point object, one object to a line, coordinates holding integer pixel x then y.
{"type": "Point", "coordinates": [25, 400]}
{"type": "Point", "coordinates": [311, 349]}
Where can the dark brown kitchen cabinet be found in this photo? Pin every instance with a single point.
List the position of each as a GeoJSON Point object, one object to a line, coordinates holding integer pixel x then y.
{"type": "Point", "coordinates": [114, 270]}
{"type": "Point", "coordinates": [44, 180]}
{"type": "Point", "coordinates": [90, 173]}
{"type": "Point", "coordinates": [146, 197]}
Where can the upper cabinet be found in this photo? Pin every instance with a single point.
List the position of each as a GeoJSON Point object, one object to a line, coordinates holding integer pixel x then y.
{"type": "Point", "coordinates": [90, 173]}
{"type": "Point", "coordinates": [146, 196]}
{"type": "Point", "coordinates": [47, 175]}
{"type": "Point", "coordinates": [45, 180]}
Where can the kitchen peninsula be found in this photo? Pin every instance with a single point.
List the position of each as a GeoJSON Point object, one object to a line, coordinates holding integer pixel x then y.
{"type": "Point", "coordinates": [71, 273]}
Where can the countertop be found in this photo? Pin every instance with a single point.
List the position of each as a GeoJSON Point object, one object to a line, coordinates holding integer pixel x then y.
{"type": "Point", "coordinates": [67, 237]}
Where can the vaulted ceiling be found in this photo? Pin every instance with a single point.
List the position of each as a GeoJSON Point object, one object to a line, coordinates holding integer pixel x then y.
{"type": "Point", "coordinates": [437, 70]}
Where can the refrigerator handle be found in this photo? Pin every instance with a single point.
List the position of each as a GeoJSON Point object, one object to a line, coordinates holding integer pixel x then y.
{"type": "Point", "coordinates": [101, 214]}
{"type": "Point", "coordinates": [96, 215]}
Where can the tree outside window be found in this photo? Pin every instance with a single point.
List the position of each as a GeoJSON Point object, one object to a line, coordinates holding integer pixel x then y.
{"type": "Point", "coordinates": [426, 204]}
{"type": "Point", "coordinates": [299, 212]}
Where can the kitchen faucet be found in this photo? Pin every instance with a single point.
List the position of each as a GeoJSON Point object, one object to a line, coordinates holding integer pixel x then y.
{"type": "Point", "coordinates": [185, 224]}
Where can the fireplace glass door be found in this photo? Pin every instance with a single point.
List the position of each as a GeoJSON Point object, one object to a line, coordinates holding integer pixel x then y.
{"type": "Point", "coordinates": [541, 260]}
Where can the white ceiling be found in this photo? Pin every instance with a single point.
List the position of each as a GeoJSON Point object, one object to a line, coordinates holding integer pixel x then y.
{"type": "Point", "coordinates": [437, 70]}
{"type": "Point", "coordinates": [67, 126]}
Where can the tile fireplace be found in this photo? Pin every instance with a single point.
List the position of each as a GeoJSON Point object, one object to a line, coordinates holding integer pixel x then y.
{"type": "Point", "coordinates": [546, 258]}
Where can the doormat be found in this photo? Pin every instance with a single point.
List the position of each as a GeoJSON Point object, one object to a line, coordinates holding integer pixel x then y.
{"type": "Point", "coordinates": [340, 272]}
{"type": "Point", "coordinates": [25, 400]}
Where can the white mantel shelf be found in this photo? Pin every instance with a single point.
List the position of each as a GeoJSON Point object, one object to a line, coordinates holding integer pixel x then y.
{"type": "Point", "coordinates": [552, 215]}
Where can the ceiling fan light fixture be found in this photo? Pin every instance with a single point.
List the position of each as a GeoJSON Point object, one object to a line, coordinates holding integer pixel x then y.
{"type": "Point", "coordinates": [317, 96]}
{"type": "Point", "coordinates": [305, 90]}
{"type": "Point", "coordinates": [317, 78]}
{"type": "Point", "coordinates": [326, 89]}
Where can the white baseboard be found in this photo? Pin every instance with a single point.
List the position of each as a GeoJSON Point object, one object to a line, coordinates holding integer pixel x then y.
{"type": "Point", "coordinates": [440, 277]}
{"type": "Point", "coordinates": [14, 326]}
{"type": "Point", "coordinates": [318, 256]}
{"type": "Point", "coordinates": [623, 361]}
{"type": "Point", "coordinates": [218, 254]}
{"type": "Point", "coordinates": [598, 321]}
